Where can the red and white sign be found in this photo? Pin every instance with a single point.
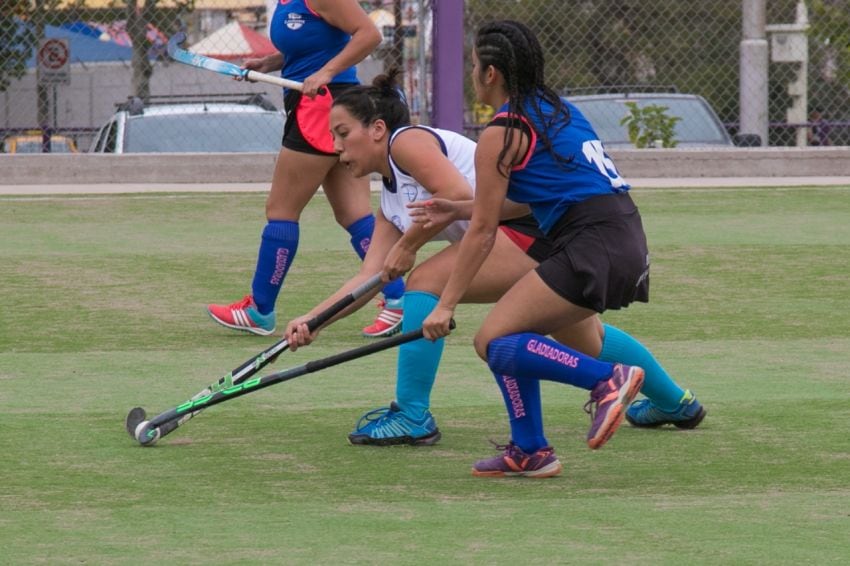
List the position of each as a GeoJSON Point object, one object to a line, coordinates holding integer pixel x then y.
{"type": "Point", "coordinates": [54, 61]}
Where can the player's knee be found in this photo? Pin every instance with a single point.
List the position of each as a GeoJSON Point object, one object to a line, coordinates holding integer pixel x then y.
{"type": "Point", "coordinates": [422, 280]}
{"type": "Point", "coordinates": [274, 211]}
{"type": "Point", "coordinates": [482, 342]}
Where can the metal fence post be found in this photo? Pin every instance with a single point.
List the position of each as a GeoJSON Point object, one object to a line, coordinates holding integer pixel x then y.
{"type": "Point", "coordinates": [753, 76]}
{"type": "Point", "coordinates": [448, 64]}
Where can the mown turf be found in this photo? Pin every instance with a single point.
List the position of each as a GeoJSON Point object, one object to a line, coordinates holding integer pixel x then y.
{"type": "Point", "coordinates": [103, 309]}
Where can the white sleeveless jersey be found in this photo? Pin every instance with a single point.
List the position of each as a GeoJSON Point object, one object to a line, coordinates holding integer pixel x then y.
{"type": "Point", "coordinates": [403, 188]}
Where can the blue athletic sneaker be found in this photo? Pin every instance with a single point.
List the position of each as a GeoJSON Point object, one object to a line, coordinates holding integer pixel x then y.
{"type": "Point", "coordinates": [243, 315]}
{"type": "Point", "coordinates": [645, 414]}
{"type": "Point", "coordinates": [388, 425]}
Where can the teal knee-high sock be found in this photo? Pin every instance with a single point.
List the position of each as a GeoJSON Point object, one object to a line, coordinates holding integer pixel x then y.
{"type": "Point", "coordinates": [618, 346]}
{"type": "Point", "coordinates": [418, 360]}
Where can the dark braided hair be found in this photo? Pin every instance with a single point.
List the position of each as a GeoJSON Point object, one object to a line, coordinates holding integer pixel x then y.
{"type": "Point", "coordinates": [512, 49]}
{"type": "Point", "coordinates": [381, 101]}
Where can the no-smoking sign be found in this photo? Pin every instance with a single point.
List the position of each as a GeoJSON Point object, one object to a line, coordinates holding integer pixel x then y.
{"type": "Point", "coordinates": [54, 61]}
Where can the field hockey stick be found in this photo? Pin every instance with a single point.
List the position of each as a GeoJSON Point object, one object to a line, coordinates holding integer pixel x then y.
{"type": "Point", "coordinates": [146, 433]}
{"type": "Point", "coordinates": [252, 366]}
{"type": "Point", "coordinates": [223, 67]}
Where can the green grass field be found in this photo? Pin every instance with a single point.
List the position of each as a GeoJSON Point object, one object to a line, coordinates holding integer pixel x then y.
{"type": "Point", "coordinates": [103, 309]}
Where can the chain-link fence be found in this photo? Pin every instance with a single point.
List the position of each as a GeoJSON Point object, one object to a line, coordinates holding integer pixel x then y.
{"type": "Point", "coordinates": [66, 65]}
{"type": "Point", "coordinates": [690, 47]}
{"type": "Point", "coordinates": [76, 74]}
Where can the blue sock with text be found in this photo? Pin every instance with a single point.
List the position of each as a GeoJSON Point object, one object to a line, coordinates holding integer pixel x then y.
{"type": "Point", "coordinates": [522, 399]}
{"type": "Point", "coordinates": [361, 236]}
{"type": "Point", "coordinates": [532, 356]}
{"type": "Point", "coordinates": [277, 250]}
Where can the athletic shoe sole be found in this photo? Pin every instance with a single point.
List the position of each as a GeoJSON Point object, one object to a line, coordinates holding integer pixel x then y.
{"type": "Point", "coordinates": [688, 424]}
{"type": "Point", "coordinates": [548, 471]}
{"type": "Point", "coordinates": [615, 415]}
{"type": "Point", "coordinates": [692, 422]}
{"type": "Point", "coordinates": [256, 330]}
{"type": "Point", "coordinates": [388, 332]}
{"type": "Point", "coordinates": [363, 440]}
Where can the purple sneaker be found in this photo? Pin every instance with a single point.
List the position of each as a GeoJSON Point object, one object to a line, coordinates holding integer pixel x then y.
{"type": "Point", "coordinates": [515, 462]}
{"type": "Point", "coordinates": [610, 397]}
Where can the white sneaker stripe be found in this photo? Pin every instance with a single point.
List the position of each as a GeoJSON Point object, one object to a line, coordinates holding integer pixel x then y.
{"type": "Point", "coordinates": [241, 318]}
{"type": "Point", "coordinates": [389, 317]}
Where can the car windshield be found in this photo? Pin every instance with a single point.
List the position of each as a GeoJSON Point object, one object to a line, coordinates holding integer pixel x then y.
{"type": "Point", "coordinates": [697, 125]}
{"type": "Point", "coordinates": [212, 132]}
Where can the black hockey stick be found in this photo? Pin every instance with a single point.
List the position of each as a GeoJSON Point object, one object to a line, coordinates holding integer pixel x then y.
{"type": "Point", "coordinates": [137, 415]}
{"type": "Point", "coordinates": [147, 433]}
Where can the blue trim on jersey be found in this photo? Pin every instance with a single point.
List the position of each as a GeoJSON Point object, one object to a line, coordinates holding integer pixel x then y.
{"type": "Point", "coordinates": [307, 42]}
{"type": "Point", "coordinates": [549, 187]}
{"type": "Point", "coordinates": [389, 184]}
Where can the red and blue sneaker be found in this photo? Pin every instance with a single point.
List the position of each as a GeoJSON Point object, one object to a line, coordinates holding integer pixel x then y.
{"type": "Point", "coordinates": [243, 315]}
{"type": "Point", "coordinates": [388, 321]}
{"type": "Point", "coordinates": [608, 400]}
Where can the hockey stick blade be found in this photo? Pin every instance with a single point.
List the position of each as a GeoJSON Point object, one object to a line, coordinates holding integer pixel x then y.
{"type": "Point", "coordinates": [250, 367]}
{"type": "Point", "coordinates": [135, 417]}
{"type": "Point", "coordinates": [222, 67]}
{"type": "Point", "coordinates": [149, 431]}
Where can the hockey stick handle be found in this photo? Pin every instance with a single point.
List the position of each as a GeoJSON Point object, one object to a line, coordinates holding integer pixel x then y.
{"type": "Point", "coordinates": [148, 434]}
{"type": "Point", "coordinates": [323, 317]}
{"type": "Point", "coordinates": [271, 79]}
{"type": "Point", "coordinates": [267, 356]}
{"type": "Point", "coordinates": [312, 325]}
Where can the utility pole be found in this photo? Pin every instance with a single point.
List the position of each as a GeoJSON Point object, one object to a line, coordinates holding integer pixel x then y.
{"type": "Point", "coordinates": [753, 70]}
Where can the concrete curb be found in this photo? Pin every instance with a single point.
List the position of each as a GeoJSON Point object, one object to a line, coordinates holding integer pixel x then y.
{"type": "Point", "coordinates": [177, 188]}
{"type": "Point", "coordinates": [250, 168]}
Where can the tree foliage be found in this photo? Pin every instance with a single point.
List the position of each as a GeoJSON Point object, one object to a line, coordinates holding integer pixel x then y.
{"type": "Point", "coordinates": [830, 34]}
{"type": "Point", "coordinates": [17, 40]}
{"type": "Point", "coordinates": [650, 125]}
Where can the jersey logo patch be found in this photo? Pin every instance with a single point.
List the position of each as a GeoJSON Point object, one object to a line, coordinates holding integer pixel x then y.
{"type": "Point", "coordinates": [411, 191]}
{"type": "Point", "coordinates": [294, 21]}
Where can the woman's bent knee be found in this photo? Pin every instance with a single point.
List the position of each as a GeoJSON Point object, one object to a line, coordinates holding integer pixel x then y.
{"type": "Point", "coordinates": [482, 342]}
{"type": "Point", "coordinates": [423, 279]}
{"type": "Point", "coordinates": [278, 207]}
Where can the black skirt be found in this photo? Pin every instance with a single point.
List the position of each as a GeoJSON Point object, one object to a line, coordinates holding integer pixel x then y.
{"type": "Point", "coordinates": [599, 258]}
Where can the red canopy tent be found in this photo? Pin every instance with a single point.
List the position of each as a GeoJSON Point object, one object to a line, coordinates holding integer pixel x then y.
{"type": "Point", "coordinates": [234, 41]}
